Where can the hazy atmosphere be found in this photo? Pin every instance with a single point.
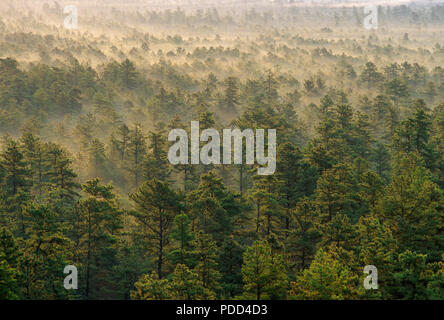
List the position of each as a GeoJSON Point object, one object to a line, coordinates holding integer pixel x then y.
{"type": "Point", "coordinates": [98, 99]}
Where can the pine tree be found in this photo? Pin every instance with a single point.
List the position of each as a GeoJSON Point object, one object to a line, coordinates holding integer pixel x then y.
{"type": "Point", "coordinates": [205, 253]}
{"type": "Point", "coordinates": [61, 179]}
{"type": "Point", "coordinates": [325, 279]}
{"type": "Point", "coordinates": [414, 134]}
{"type": "Point", "coordinates": [437, 139]}
{"type": "Point", "coordinates": [214, 209]}
{"type": "Point", "coordinates": [156, 206]}
{"type": "Point", "coordinates": [99, 221]}
{"type": "Point", "coordinates": [96, 158]}
{"type": "Point", "coordinates": [190, 173]}
{"type": "Point", "coordinates": [381, 161]}
{"type": "Point", "coordinates": [15, 185]}
{"type": "Point", "coordinates": [326, 106]}
{"type": "Point", "coordinates": [156, 163]}
{"type": "Point", "coordinates": [303, 235]}
{"type": "Point", "coordinates": [136, 153]}
{"type": "Point", "coordinates": [231, 93]}
{"type": "Point", "coordinates": [335, 193]}
{"type": "Point", "coordinates": [376, 246]}
{"type": "Point", "coordinates": [122, 142]}
{"type": "Point", "coordinates": [183, 238]}
{"type": "Point", "coordinates": [230, 265]}
{"type": "Point", "coordinates": [150, 287]}
{"type": "Point", "coordinates": [412, 204]}
{"type": "Point", "coordinates": [370, 75]}
{"type": "Point", "coordinates": [9, 247]}
{"type": "Point", "coordinates": [128, 74]}
{"type": "Point", "coordinates": [270, 85]}
{"type": "Point", "coordinates": [371, 189]}
{"type": "Point", "coordinates": [409, 280]}
{"type": "Point", "coordinates": [186, 285]}
{"type": "Point", "coordinates": [16, 173]}
{"type": "Point", "coordinates": [297, 179]}
{"type": "Point", "coordinates": [35, 154]}
{"type": "Point", "coordinates": [339, 231]}
{"type": "Point", "coordinates": [7, 280]}
{"type": "Point", "coordinates": [9, 253]}
{"type": "Point", "coordinates": [266, 201]}
{"type": "Point", "coordinates": [47, 251]}
{"type": "Point", "coordinates": [263, 273]}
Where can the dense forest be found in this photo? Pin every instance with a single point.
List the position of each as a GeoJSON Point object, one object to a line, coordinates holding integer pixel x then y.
{"type": "Point", "coordinates": [85, 178]}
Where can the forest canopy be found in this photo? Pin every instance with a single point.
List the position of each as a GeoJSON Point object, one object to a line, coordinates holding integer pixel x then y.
{"type": "Point", "coordinates": [85, 178]}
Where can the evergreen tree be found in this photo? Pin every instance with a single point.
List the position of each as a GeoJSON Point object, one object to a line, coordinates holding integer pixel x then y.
{"type": "Point", "coordinates": [270, 85]}
{"type": "Point", "coordinates": [156, 163]}
{"type": "Point", "coordinates": [9, 253]}
{"type": "Point", "coordinates": [412, 204]}
{"type": "Point", "coordinates": [122, 142]}
{"type": "Point", "coordinates": [15, 184]}
{"type": "Point", "coordinates": [35, 154]}
{"type": "Point", "coordinates": [97, 158]}
{"type": "Point", "coordinates": [47, 252]}
{"type": "Point", "coordinates": [215, 210]}
{"type": "Point", "coordinates": [128, 74]}
{"type": "Point", "coordinates": [190, 173]}
{"type": "Point", "coordinates": [409, 280]}
{"type": "Point", "coordinates": [376, 246]}
{"type": "Point", "coordinates": [303, 235]}
{"type": "Point", "coordinates": [335, 193]}
{"type": "Point", "coordinates": [136, 153]}
{"type": "Point", "coordinates": [297, 180]}
{"type": "Point", "coordinates": [230, 264]}
{"type": "Point", "coordinates": [16, 173]}
{"type": "Point", "coordinates": [205, 253]}
{"type": "Point", "coordinates": [231, 93]}
{"type": "Point", "coordinates": [183, 237]}
{"type": "Point", "coordinates": [268, 211]}
{"type": "Point", "coordinates": [156, 206]}
{"type": "Point", "coordinates": [414, 134]}
{"type": "Point", "coordinates": [99, 222]}
{"type": "Point", "coordinates": [7, 280]}
{"type": "Point", "coordinates": [263, 273]}
{"type": "Point", "coordinates": [150, 287]}
{"type": "Point", "coordinates": [370, 75]}
{"type": "Point", "coordinates": [61, 178]}
{"type": "Point", "coordinates": [186, 285]}
{"type": "Point", "coordinates": [325, 279]}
